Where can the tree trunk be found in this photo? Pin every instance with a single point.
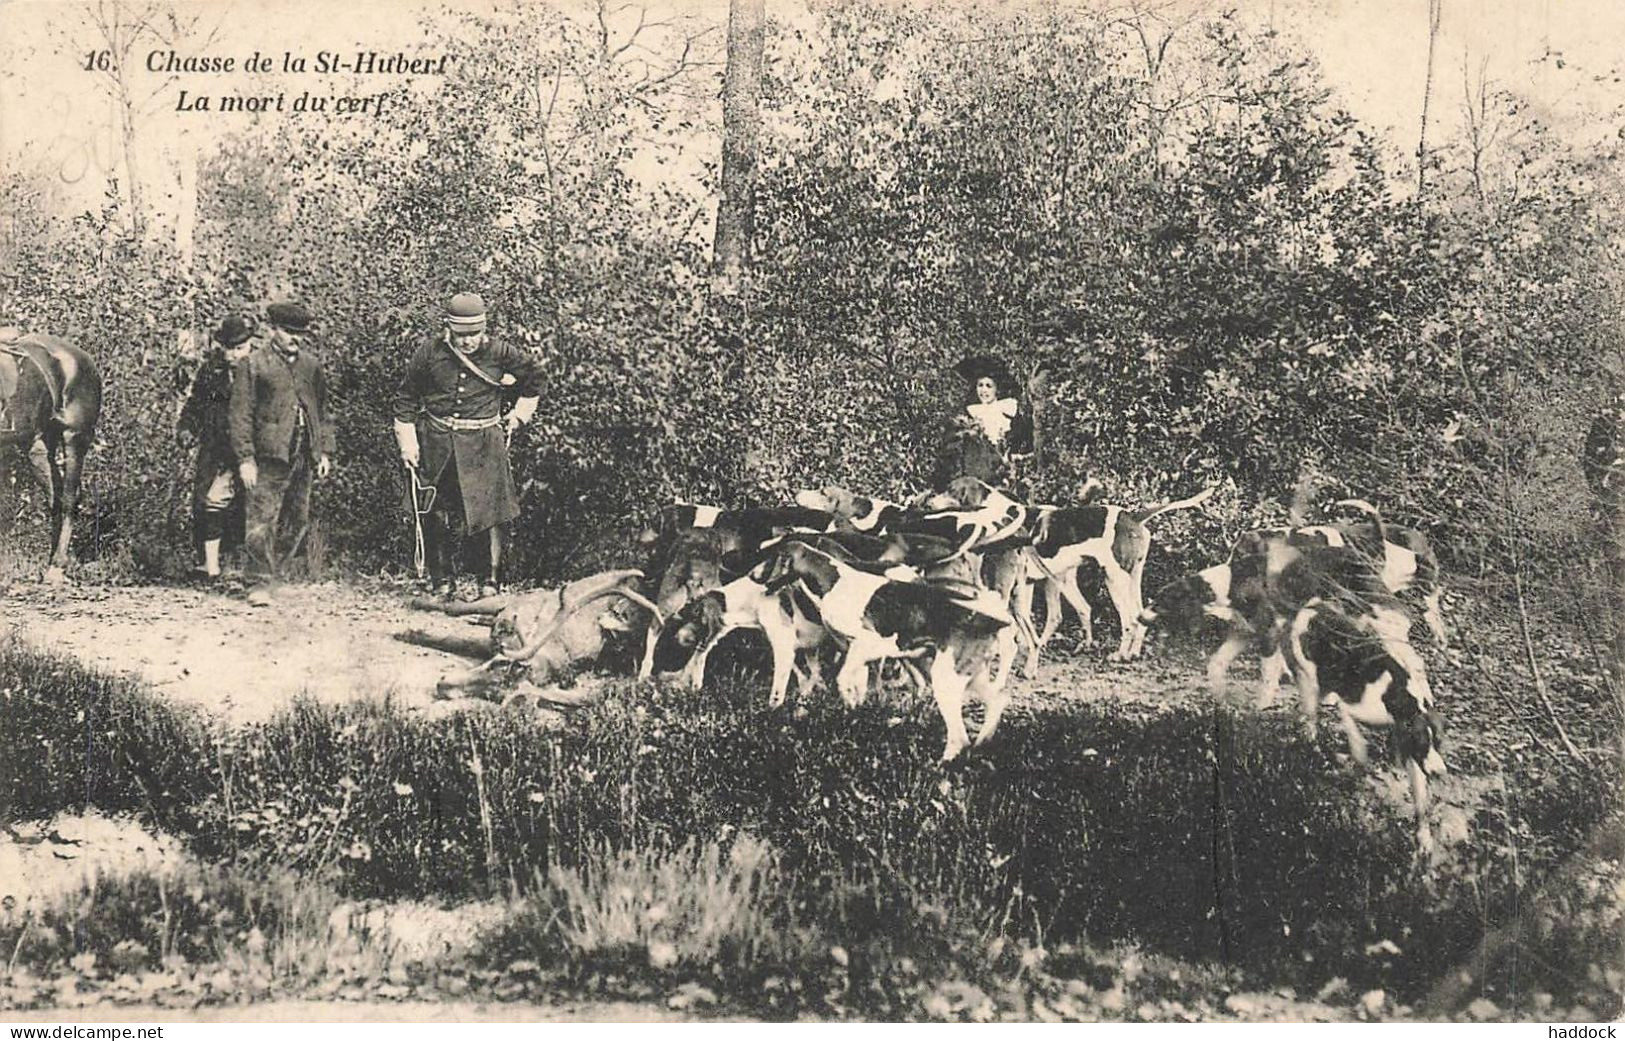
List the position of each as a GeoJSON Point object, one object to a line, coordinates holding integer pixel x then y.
{"type": "Point", "coordinates": [1037, 391]}
{"type": "Point", "coordinates": [1435, 11]}
{"type": "Point", "coordinates": [741, 122]}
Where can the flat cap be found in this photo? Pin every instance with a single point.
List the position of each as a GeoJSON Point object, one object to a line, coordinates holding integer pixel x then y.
{"type": "Point", "coordinates": [290, 315]}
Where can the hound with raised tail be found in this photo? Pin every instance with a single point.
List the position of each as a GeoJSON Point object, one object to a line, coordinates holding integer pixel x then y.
{"type": "Point", "coordinates": [1114, 537]}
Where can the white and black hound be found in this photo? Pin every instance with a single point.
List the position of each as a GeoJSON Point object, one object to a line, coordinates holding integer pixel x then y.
{"type": "Point", "coordinates": [967, 634]}
{"type": "Point", "coordinates": [1375, 678]}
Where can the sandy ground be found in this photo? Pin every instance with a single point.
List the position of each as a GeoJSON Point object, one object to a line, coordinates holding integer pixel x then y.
{"type": "Point", "coordinates": [332, 642]}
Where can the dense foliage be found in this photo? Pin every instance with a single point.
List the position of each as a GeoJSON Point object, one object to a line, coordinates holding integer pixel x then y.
{"type": "Point", "coordinates": [1225, 276]}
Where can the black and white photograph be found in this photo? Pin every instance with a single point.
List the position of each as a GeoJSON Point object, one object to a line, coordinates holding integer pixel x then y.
{"type": "Point", "coordinates": [812, 511]}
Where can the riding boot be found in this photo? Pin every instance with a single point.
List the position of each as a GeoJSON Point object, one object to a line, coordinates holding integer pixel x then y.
{"type": "Point", "coordinates": [437, 555]}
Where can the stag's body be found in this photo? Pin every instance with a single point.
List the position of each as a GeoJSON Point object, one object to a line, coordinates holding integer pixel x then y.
{"type": "Point", "coordinates": [51, 416]}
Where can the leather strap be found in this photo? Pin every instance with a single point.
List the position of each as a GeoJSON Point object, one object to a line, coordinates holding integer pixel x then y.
{"type": "Point", "coordinates": [466, 362]}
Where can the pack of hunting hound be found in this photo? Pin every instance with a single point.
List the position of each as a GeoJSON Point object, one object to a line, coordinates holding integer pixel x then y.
{"type": "Point", "coordinates": [944, 586]}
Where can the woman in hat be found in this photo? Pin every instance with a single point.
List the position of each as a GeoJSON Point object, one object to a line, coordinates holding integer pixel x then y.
{"type": "Point", "coordinates": [990, 406]}
{"type": "Point", "coordinates": [216, 495]}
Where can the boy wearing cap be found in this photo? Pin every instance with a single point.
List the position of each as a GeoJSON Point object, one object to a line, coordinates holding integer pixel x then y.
{"type": "Point", "coordinates": [451, 430]}
{"type": "Point", "coordinates": [203, 420]}
{"type": "Point", "coordinates": [279, 433]}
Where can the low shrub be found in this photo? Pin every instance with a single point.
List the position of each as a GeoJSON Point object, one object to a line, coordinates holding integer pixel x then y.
{"type": "Point", "coordinates": [72, 737]}
{"type": "Point", "coordinates": [273, 928]}
{"type": "Point", "coordinates": [1211, 834]}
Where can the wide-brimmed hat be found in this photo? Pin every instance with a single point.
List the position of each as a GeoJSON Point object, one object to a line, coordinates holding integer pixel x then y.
{"type": "Point", "coordinates": [466, 313]}
{"type": "Point", "coordinates": [974, 367]}
{"type": "Point", "coordinates": [236, 329]}
{"type": "Point", "coordinates": [290, 315]}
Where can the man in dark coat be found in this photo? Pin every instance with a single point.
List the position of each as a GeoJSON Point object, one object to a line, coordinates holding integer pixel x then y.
{"type": "Point", "coordinates": [217, 512]}
{"type": "Point", "coordinates": [280, 433]}
{"type": "Point", "coordinates": [452, 433]}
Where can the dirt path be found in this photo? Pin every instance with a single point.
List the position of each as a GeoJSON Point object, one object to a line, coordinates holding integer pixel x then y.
{"type": "Point", "coordinates": [334, 642]}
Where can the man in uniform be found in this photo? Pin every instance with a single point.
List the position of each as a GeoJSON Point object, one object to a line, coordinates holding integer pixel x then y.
{"type": "Point", "coordinates": [452, 434]}
{"type": "Point", "coordinates": [203, 421]}
{"type": "Point", "coordinates": [279, 434]}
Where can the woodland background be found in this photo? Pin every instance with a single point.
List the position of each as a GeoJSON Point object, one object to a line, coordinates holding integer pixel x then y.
{"type": "Point", "coordinates": [1226, 277]}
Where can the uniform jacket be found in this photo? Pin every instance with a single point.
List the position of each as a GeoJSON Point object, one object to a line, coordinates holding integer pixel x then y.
{"type": "Point", "coordinates": [469, 468]}
{"type": "Point", "coordinates": [437, 383]}
{"type": "Point", "coordinates": [267, 391]}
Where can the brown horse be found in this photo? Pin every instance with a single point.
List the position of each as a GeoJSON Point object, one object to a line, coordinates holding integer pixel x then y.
{"type": "Point", "coordinates": [50, 414]}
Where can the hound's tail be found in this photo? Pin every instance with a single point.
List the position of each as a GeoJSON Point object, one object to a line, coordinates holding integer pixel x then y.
{"type": "Point", "coordinates": [1200, 497]}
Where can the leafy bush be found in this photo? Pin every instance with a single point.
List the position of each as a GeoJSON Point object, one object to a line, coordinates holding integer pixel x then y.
{"type": "Point", "coordinates": [1232, 291]}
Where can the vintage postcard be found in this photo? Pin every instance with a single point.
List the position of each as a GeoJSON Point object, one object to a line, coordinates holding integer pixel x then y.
{"type": "Point", "coordinates": [828, 510]}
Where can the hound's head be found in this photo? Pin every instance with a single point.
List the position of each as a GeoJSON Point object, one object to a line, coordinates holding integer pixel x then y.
{"type": "Point", "coordinates": [1181, 605]}
{"type": "Point", "coordinates": [831, 498]}
{"type": "Point", "coordinates": [1418, 728]}
{"type": "Point", "coordinates": [688, 630]}
{"type": "Point", "coordinates": [1090, 492]}
{"type": "Point", "coordinates": [969, 492]}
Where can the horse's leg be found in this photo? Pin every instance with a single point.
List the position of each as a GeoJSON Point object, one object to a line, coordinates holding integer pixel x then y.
{"type": "Point", "coordinates": [8, 495]}
{"type": "Point", "coordinates": [67, 476]}
{"type": "Point", "coordinates": [47, 459]}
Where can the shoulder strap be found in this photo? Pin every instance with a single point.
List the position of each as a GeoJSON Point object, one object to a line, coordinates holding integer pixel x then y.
{"type": "Point", "coordinates": [468, 363]}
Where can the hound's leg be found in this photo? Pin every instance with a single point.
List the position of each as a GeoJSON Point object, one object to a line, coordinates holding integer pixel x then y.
{"type": "Point", "coordinates": [1023, 603]}
{"type": "Point", "coordinates": [949, 687]}
{"type": "Point", "coordinates": [651, 636]}
{"type": "Point", "coordinates": [696, 664]}
{"type": "Point", "coordinates": [995, 694]}
{"type": "Point", "coordinates": [1066, 584]}
{"type": "Point", "coordinates": [1434, 616]}
{"type": "Point", "coordinates": [1271, 669]}
{"type": "Point", "coordinates": [1218, 666]}
{"type": "Point", "coordinates": [1052, 611]}
{"type": "Point", "coordinates": [1309, 697]}
{"type": "Point", "coordinates": [1419, 798]}
{"type": "Point", "coordinates": [1136, 600]}
{"type": "Point", "coordinates": [852, 679]}
{"type": "Point", "coordinates": [1120, 585]}
{"type": "Point", "coordinates": [782, 639]}
{"type": "Point", "coordinates": [1357, 746]}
